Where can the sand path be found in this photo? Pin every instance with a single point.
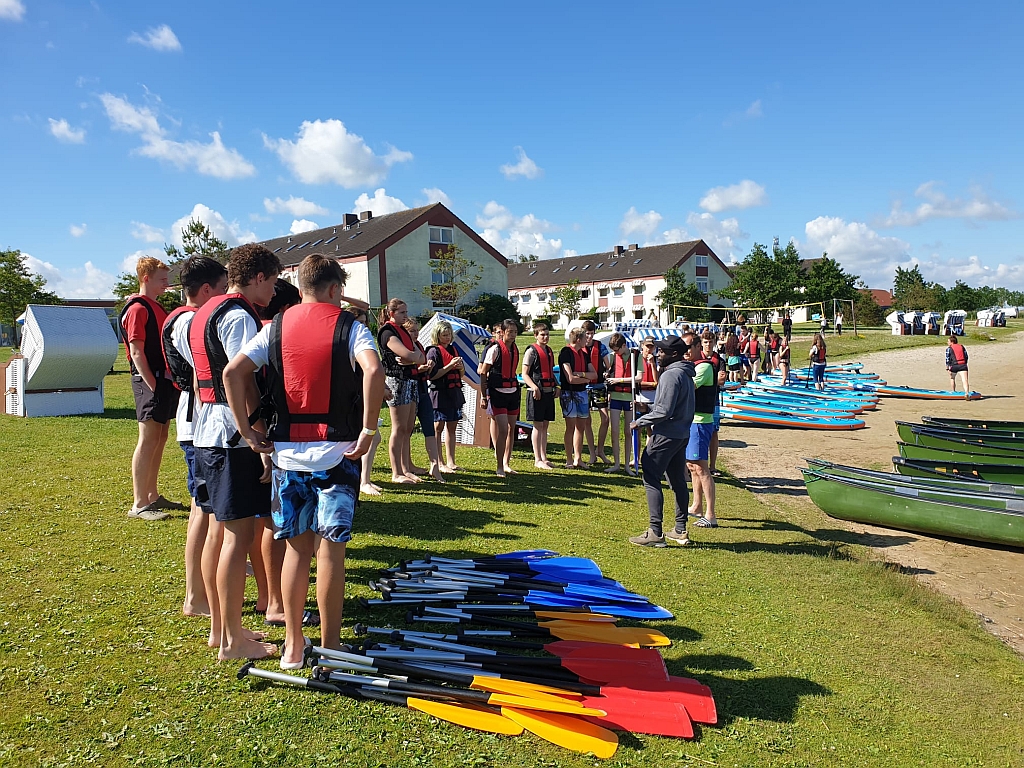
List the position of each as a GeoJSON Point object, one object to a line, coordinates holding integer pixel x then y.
{"type": "Point", "coordinates": [988, 580]}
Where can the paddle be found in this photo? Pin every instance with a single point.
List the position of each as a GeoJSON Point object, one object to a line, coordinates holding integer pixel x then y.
{"type": "Point", "coordinates": [519, 586]}
{"type": "Point", "coordinates": [568, 732]}
{"type": "Point", "coordinates": [467, 715]}
{"type": "Point", "coordinates": [576, 568]}
{"type": "Point", "coordinates": [637, 716]}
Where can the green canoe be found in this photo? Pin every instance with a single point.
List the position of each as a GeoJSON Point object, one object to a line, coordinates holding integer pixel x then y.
{"type": "Point", "coordinates": [860, 503]}
{"type": "Point", "coordinates": [989, 473]}
{"type": "Point", "coordinates": [965, 486]}
{"type": "Point", "coordinates": [995, 426]}
{"type": "Point", "coordinates": [962, 455]}
{"type": "Point", "coordinates": [920, 434]}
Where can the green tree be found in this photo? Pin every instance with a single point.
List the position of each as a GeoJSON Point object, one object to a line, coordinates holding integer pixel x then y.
{"type": "Point", "coordinates": [962, 296]}
{"type": "Point", "coordinates": [490, 308]}
{"type": "Point", "coordinates": [827, 281]}
{"type": "Point", "coordinates": [19, 288]}
{"type": "Point", "coordinates": [565, 300]}
{"type": "Point", "coordinates": [678, 293]}
{"type": "Point", "coordinates": [866, 308]}
{"type": "Point", "coordinates": [904, 282]}
{"type": "Point", "coordinates": [453, 277]}
{"type": "Point", "coordinates": [525, 258]}
{"type": "Point", "coordinates": [763, 280]}
{"type": "Point", "coordinates": [923, 297]}
{"type": "Point", "coordinates": [197, 239]}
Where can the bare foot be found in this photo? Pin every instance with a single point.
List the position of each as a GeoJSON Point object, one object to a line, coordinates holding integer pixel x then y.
{"type": "Point", "coordinates": [510, 471]}
{"type": "Point", "coordinates": [248, 634]}
{"type": "Point", "coordinates": [613, 469]}
{"type": "Point", "coordinates": [247, 649]}
{"type": "Point", "coordinates": [413, 477]}
{"type": "Point", "coordinates": [603, 459]}
{"type": "Point", "coordinates": [418, 470]}
{"type": "Point", "coordinates": [402, 480]}
{"type": "Point", "coordinates": [369, 489]}
{"type": "Point", "coordinates": [500, 473]}
{"type": "Point", "coordinates": [448, 469]}
{"type": "Point", "coordinates": [435, 473]}
{"type": "Point", "coordinates": [572, 466]}
{"type": "Point", "coordinates": [541, 465]}
{"type": "Point", "coordinates": [196, 608]}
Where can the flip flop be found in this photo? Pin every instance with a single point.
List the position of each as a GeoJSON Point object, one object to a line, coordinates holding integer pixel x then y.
{"type": "Point", "coordinates": [309, 619]}
{"type": "Point", "coordinates": [705, 523]}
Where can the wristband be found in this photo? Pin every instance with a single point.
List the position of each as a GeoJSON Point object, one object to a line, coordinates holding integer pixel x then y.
{"type": "Point", "coordinates": [368, 432]}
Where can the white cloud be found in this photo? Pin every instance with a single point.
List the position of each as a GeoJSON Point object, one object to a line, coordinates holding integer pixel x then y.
{"type": "Point", "coordinates": [435, 195]}
{"type": "Point", "coordinates": [12, 10]}
{"type": "Point", "coordinates": [637, 223]}
{"type": "Point", "coordinates": [147, 233]}
{"type": "Point", "coordinates": [720, 235]}
{"type": "Point", "coordinates": [523, 166]}
{"type": "Point", "coordinates": [302, 225]}
{"type": "Point", "coordinates": [231, 232]}
{"type": "Point", "coordinates": [128, 262]}
{"type": "Point", "coordinates": [860, 249]}
{"type": "Point", "coordinates": [754, 110]}
{"type": "Point", "coordinates": [326, 153]}
{"type": "Point", "coordinates": [296, 206]}
{"type": "Point", "coordinates": [77, 230]}
{"type": "Point", "coordinates": [63, 131]}
{"type": "Point", "coordinates": [85, 282]}
{"type": "Point", "coordinates": [746, 194]}
{"type": "Point", "coordinates": [160, 38]}
{"type": "Point", "coordinates": [972, 271]}
{"type": "Point", "coordinates": [380, 204]}
{"type": "Point", "coordinates": [936, 205]}
{"type": "Point", "coordinates": [510, 234]}
{"type": "Point", "coordinates": [213, 159]}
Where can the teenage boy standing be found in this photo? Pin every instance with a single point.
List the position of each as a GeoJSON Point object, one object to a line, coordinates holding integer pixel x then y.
{"type": "Point", "coordinates": [155, 395]}
{"type": "Point", "coordinates": [597, 393]}
{"type": "Point", "coordinates": [539, 375]}
{"type": "Point", "coordinates": [237, 479]}
{"type": "Point", "coordinates": [577, 372]}
{"type": "Point", "coordinates": [202, 279]}
{"type": "Point", "coordinates": [327, 385]}
{"type": "Point", "coordinates": [702, 431]}
{"type": "Point", "coordinates": [499, 369]}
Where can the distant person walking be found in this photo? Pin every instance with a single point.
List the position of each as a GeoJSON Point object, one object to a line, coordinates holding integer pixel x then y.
{"type": "Point", "coordinates": [956, 364]}
{"type": "Point", "coordinates": [665, 455]}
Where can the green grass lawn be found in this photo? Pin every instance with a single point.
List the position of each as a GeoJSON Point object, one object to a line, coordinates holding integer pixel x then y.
{"type": "Point", "coordinates": [817, 654]}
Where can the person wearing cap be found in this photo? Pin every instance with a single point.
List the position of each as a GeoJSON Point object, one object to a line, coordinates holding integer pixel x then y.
{"type": "Point", "coordinates": [665, 455]}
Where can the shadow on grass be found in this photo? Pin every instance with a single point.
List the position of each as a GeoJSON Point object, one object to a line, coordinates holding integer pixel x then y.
{"type": "Point", "coordinates": [733, 444]}
{"type": "Point", "coordinates": [770, 484]}
{"type": "Point", "coordinates": [829, 538]}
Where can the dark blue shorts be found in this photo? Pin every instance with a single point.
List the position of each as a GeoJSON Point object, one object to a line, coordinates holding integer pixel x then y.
{"type": "Point", "coordinates": [321, 502]}
{"type": "Point", "coordinates": [698, 445]}
{"type": "Point", "coordinates": [196, 487]}
{"type": "Point", "coordinates": [232, 479]}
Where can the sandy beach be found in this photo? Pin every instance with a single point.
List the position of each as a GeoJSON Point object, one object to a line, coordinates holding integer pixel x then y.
{"type": "Point", "coordinates": [988, 580]}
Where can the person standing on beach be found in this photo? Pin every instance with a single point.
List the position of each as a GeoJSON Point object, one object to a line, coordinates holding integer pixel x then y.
{"type": "Point", "coordinates": [784, 360]}
{"type": "Point", "coordinates": [818, 362]}
{"type": "Point", "coordinates": [956, 364]}
{"type": "Point", "coordinates": [576, 373]}
{"type": "Point", "coordinates": [839, 323]}
{"type": "Point", "coordinates": [787, 327]}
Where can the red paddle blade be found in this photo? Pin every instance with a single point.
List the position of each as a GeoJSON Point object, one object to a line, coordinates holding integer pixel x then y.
{"type": "Point", "coordinates": [614, 671]}
{"type": "Point", "coordinates": [638, 716]}
{"type": "Point", "coordinates": [697, 698]}
{"type": "Point", "coordinates": [567, 648]}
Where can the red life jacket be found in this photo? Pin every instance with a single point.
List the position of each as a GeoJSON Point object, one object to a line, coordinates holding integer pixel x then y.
{"type": "Point", "coordinates": [174, 362]}
{"type": "Point", "coordinates": [207, 349]}
{"type": "Point", "coordinates": [596, 360]}
{"type": "Point", "coordinates": [621, 369]}
{"type": "Point", "coordinates": [648, 374]}
{"type": "Point", "coordinates": [392, 365]}
{"type": "Point", "coordinates": [452, 379]}
{"type": "Point", "coordinates": [543, 368]}
{"type": "Point", "coordinates": [819, 356]}
{"type": "Point", "coordinates": [503, 373]}
{"type": "Point", "coordinates": [306, 342]}
{"type": "Point", "coordinates": [959, 354]}
{"type": "Point", "coordinates": [754, 348]}
{"type": "Point", "coordinates": [773, 345]}
{"type": "Point", "coordinates": [151, 346]}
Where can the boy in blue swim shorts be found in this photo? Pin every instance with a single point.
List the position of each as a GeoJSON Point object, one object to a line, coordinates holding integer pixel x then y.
{"type": "Point", "coordinates": [326, 382]}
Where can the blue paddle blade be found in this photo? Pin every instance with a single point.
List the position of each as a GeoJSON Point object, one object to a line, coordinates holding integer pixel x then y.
{"type": "Point", "coordinates": [649, 611]}
{"type": "Point", "coordinates": [524, 554]}
{"type": "Point", "coordinates": [611, 596]}
{"type": "Point", "coordinates": [569, 568]}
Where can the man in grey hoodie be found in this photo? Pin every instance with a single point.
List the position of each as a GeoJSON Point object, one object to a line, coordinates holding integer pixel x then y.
{"type": "Point", "coordinates": [665, 454]}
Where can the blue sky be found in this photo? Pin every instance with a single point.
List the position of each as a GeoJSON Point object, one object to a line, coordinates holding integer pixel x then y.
{"type": "Point", "coordinates": [889, 134]}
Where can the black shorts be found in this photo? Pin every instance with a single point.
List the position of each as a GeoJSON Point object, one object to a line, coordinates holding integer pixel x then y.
{"type": "Point", "coordinates": [957, 368]}
{"type": "Point", "coordinates": [232, 480]}
{"type": "Point", "coordinates": [597, 395]}
{"type": "Point", "coordinates": [158, 406]}
{"type": "Point", "coordinates": [501, 403]}
{"type": "Point", "coordinates": [734, 366]}
{"type": "Point", "coordinates": [540, 410]}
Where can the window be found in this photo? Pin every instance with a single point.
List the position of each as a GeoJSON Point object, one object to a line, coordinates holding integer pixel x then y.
{"type": "Point", "coordinates": [572, 268]}
{"type": "Point", "coordinates": [328, 242]}
{"type": "Point", "coordinates": [555, 270]}
{"type": "Point", "coordinates": [317, 242]}
{"type": "Point", "coordinates": [525, 298]}
{"type": "Point", "coordinates": [585, 267]}
{"type": "Point", "coordinates": [585, 293]}
{"type": "Point", "coordinates": [534, 272]}
{"type": "Point", "coordinates": [304, 244]}
{"type": "Point", "coordinates": [542, 296]}
{"type": "Point", "coordinates": [637, 261]}
{"type": "Point", "coordinates": [277, 249]}
{"type": "Point", "coordinates": [618, 290]}
{"type": "Point", "coordinates": [638, 314]}
{"type": "Point", "coordinates": [353, 237]}
{"type": "Point", "coordinates": [702, 285]}
{"type": "Point", "coordinates": [445, 235]}
{"type": "Point", "coordinates": [600, 264]}
{"type": "Point", "coordinates": [515, 298]}
{"type": "Point", "coordinates": [293, 245]}
{"type": "Point", "coordinates": [612, 264]}
{"type": "Point", "coordinates": [602, 291]}
{"type": "Point", "coordinates": [617, 317]}
{"type": "Point", "coordinates": [638, 289]}
{"type": "Point", "coordinates": [702, 261]}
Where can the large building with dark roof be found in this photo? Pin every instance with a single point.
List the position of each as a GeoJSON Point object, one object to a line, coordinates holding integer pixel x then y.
{"type": "Point", "coordinates": [389, 256]}
{"type": "Point", "coordinates": [620, 284]}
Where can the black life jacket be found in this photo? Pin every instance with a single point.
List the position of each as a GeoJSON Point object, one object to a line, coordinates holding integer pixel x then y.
{"type": "Point", "coordinates": [503, 373]}
{"type": "Point", "coordinates": [705, 398]}
{"type": "Point", "coordinates": [622, 368]}
{"type": "Point", "coordinates": [207, 349]}
{"type": "Point", "coordinates": [417, 374]}
{"type": "Point", "coordinates": [393, 367]}
{"type": "Point", "coordinates": [542, 369]}
{"type": "Point", "coordinates": [307, 342]}
{"type": "Point", "coordinates": [452, 379]}
{"type": "Point", "coordinates": [959, 354]}
{"type": "Point", "coordinates": [151, 346]}
{"type": "Point", "coordinates": [177, 366]}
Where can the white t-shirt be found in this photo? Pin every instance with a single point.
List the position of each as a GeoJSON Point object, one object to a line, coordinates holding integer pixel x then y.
{"type": "Point", "coordinates": [491, 358]}
{"type": "Point", "coordinates": [320, 455]}
{"type": "Point", "coordinates": [213, 425]}
{"type": "Point", "coordinates": [179, 340]}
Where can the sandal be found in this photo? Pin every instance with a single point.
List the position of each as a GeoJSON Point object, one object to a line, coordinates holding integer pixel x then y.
{"type": "Point", "coordinates": [309, 619]}
{"type": "Point", "coordinates": [705, 523]}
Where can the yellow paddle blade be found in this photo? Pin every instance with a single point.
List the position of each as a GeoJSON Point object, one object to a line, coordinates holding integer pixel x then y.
{"type": "Point", "coordinates": [519, 688]}
{"type": "Point", "coordinates": [599, 618]}
{"type": "Point", "coordinates": [468, 716]}
{"type": "Point", "coordinates": [566, 731]}
{"type": "Point", "coordinates": [603, 633]}
{"type": "Point", "coordinates": [545, 705]}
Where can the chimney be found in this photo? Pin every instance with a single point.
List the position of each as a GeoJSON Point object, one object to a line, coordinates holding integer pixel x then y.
{"type": "Point", "coordinates": [365, 215]}
{"type": "Point", "coordinates": [289, 239]}
{"type": "Point", "coordinates": [617, 250]}
{"type": "Point", "coordinates": [350, 219]}
{"type": "Point", "coordinates": [633, 246]}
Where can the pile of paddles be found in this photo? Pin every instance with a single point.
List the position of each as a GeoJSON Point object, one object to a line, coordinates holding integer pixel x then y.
{"type": "Point", "coordinates": [565, 671]}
